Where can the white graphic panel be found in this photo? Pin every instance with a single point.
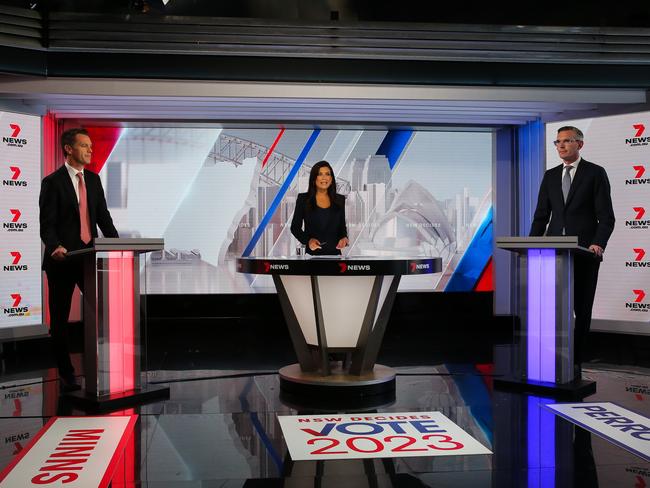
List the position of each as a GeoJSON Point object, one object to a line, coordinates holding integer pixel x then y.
{"type": "Point", "coordinates": [20, 244]}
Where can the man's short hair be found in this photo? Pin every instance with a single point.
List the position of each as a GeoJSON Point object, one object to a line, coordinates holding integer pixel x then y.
{"type": "Point", "coordinates": [579, 135]}
{"type": "Point", "coordinates": [69, 137]}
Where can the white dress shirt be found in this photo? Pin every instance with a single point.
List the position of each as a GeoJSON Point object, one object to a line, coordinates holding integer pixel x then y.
{"type": "Point", "coordinates": [572, 174]}
{"type": "Point", "coordinates": [73, 176]}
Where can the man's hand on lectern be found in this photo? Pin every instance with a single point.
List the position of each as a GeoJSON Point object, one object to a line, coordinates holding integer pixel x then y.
{"type": "Point", "coordinates": [59, 253]}
{"type": "Point", "coordinates": [596, 249]}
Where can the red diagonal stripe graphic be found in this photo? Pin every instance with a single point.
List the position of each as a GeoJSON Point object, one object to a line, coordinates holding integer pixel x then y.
{"type": "Point", "coordinates": [272, 148]}
{"type": "Point", "coordinates": [640, 295]}
{"type": "Point", "coordinates": [640, 212]}
{"type": "Point", "coordinates": [640, 169]}
{"type": "Point", "coordinates": [639, 129]}
{"type": "Point", "coordinates": [17, 299]}
{"type": "Point", "coordinates": [16, 214]}
{"type": "Point", "coordinates": [15, 128]}
{"type": "Point", "coordinates": [104, 140]}
{"type": "Point", "coordinates": [639, 253]}
{"type": "Point", "coordinates": [16, 172]}
{"type": "Point", "coordinates": [16, 255]}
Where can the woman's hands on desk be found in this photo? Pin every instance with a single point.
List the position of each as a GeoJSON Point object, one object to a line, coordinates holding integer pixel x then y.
{"type": "Point", "coordinates": [342, 243]}
{"type": "Point", "coordinates": [314, 244]}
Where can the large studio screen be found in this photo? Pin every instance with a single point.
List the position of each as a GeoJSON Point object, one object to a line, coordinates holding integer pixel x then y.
{"type": "Point", "coordinates": [219, 194]}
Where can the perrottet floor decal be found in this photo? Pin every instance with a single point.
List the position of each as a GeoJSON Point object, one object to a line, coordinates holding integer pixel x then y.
{"type": "Point", "coordinates": [621, 426]}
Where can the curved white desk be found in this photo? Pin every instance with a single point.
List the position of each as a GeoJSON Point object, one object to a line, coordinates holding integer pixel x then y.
{"type": "Point", "coordinates": [337, 305]}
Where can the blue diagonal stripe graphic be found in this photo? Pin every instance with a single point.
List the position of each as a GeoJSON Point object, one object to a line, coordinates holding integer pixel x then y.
{"type": "Point", "coordinates": [280, 195]}
{"type": "Point", "coordinates": [471, 265]}
{"type": "Point", "coordinates": [394, 144]}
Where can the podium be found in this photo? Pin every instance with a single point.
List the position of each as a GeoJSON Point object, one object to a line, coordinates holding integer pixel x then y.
{"type": "Point", "coordinates": [112, 333]}
{"type": "Point", "coordinates": [337, 306]}
{"type": "Point", "coordinates": [544, 359]}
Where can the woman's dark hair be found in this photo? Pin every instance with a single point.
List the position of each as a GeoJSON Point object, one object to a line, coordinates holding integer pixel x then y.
{"type": "Point", "coordinates": [311, 191]}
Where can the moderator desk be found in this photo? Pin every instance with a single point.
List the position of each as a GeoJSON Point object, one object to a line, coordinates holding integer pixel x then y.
{"type": "Point", "coordinates": [335, 305]}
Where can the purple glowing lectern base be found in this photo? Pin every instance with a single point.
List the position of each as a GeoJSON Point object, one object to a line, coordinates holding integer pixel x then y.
{"type": "Point", "coordinates": [543, 361]}
{"type": "Point", "coordinates": [576, 389]}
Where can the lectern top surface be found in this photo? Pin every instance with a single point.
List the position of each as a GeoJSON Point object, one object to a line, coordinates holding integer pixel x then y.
{"type": "Point", "coordinates": [338, 266]}
{"type": "Point", "coordinates": [138, 245]}
{"type": "Point", "coordinates": [538, 242]}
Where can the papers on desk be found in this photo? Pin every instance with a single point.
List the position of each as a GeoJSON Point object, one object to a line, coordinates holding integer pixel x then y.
{"type": "Point", "coordinates": [327, 256]}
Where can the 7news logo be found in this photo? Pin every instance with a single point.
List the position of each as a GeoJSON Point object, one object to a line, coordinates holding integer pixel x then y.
{"type": "Point", "coordinates": [15, 263]}
{"type": "Point", "coordinates": [638, 262]}
{"type": "Point", "coordinates": [639, 139]}
{"type": "Point", "coordinates": [13, 140]}
{"type": "Point", "coordinates": [638, 222]}
{"type": "Point", "coordinates": [344, 268]}
{"type": "Point", "coordinates": [14, 181]}
{"type": "Point", "coordinates": [14, 310]}
{"type": "Point", "coordinates": [415, 267]}
{"type": "Point", "coordinates": [638, 305]}
{"type": "Point", "coordinates": [638, 177]}
{"type": "Point", "coordinates": [268, 267]}
{"type": "Point", "coordinates": [14, 225]}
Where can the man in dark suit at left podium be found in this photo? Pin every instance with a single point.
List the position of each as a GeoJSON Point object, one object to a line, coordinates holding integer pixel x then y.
{"type": "Point", "coordinates": [72, 205]}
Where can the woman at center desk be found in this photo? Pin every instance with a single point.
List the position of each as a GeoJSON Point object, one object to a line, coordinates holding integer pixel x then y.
{"type": "Point", "coordinates": [322, 211]}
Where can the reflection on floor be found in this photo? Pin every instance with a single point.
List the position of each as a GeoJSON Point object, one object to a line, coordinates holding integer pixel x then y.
{"type": "Point", "coordinates": [220, 428]}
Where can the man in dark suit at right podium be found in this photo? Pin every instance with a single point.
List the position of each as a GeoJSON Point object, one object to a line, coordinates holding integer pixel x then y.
{"type": "Point", "coordinates": [576, 197]}
{"type": "Point", "coordinates": [72, 205]}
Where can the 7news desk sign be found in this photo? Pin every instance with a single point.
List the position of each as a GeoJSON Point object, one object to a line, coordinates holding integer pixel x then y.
{"type": "Point", "coordinates": [387, 435]}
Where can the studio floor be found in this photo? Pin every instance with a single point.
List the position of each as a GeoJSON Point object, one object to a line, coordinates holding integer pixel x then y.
{"type": "Point", "coordinates": [220, 429]}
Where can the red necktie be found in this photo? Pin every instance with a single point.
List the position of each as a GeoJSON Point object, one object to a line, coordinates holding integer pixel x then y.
{"type": "Point", "coordinates": [86, 235]}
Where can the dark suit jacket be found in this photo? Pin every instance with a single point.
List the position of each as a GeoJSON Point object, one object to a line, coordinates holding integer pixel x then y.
{"type": "Point", "coordinates": [336, 227]}
{"type": "Point", "coordinates": [588, 212]}
{"type": "Point", "coordinates": [59, 212]}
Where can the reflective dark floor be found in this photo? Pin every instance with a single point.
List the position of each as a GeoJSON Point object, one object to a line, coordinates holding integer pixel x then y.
{"type": "Point", "coordinates": [220, 429]}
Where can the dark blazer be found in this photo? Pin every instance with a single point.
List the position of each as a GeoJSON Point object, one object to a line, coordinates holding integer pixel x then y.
{"type": "Point", "coordinates": [59, 212]}
{"type": "Point", "coordinates": [588, 212]}
{"type": "Point", "coordinates": [336, 229]}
